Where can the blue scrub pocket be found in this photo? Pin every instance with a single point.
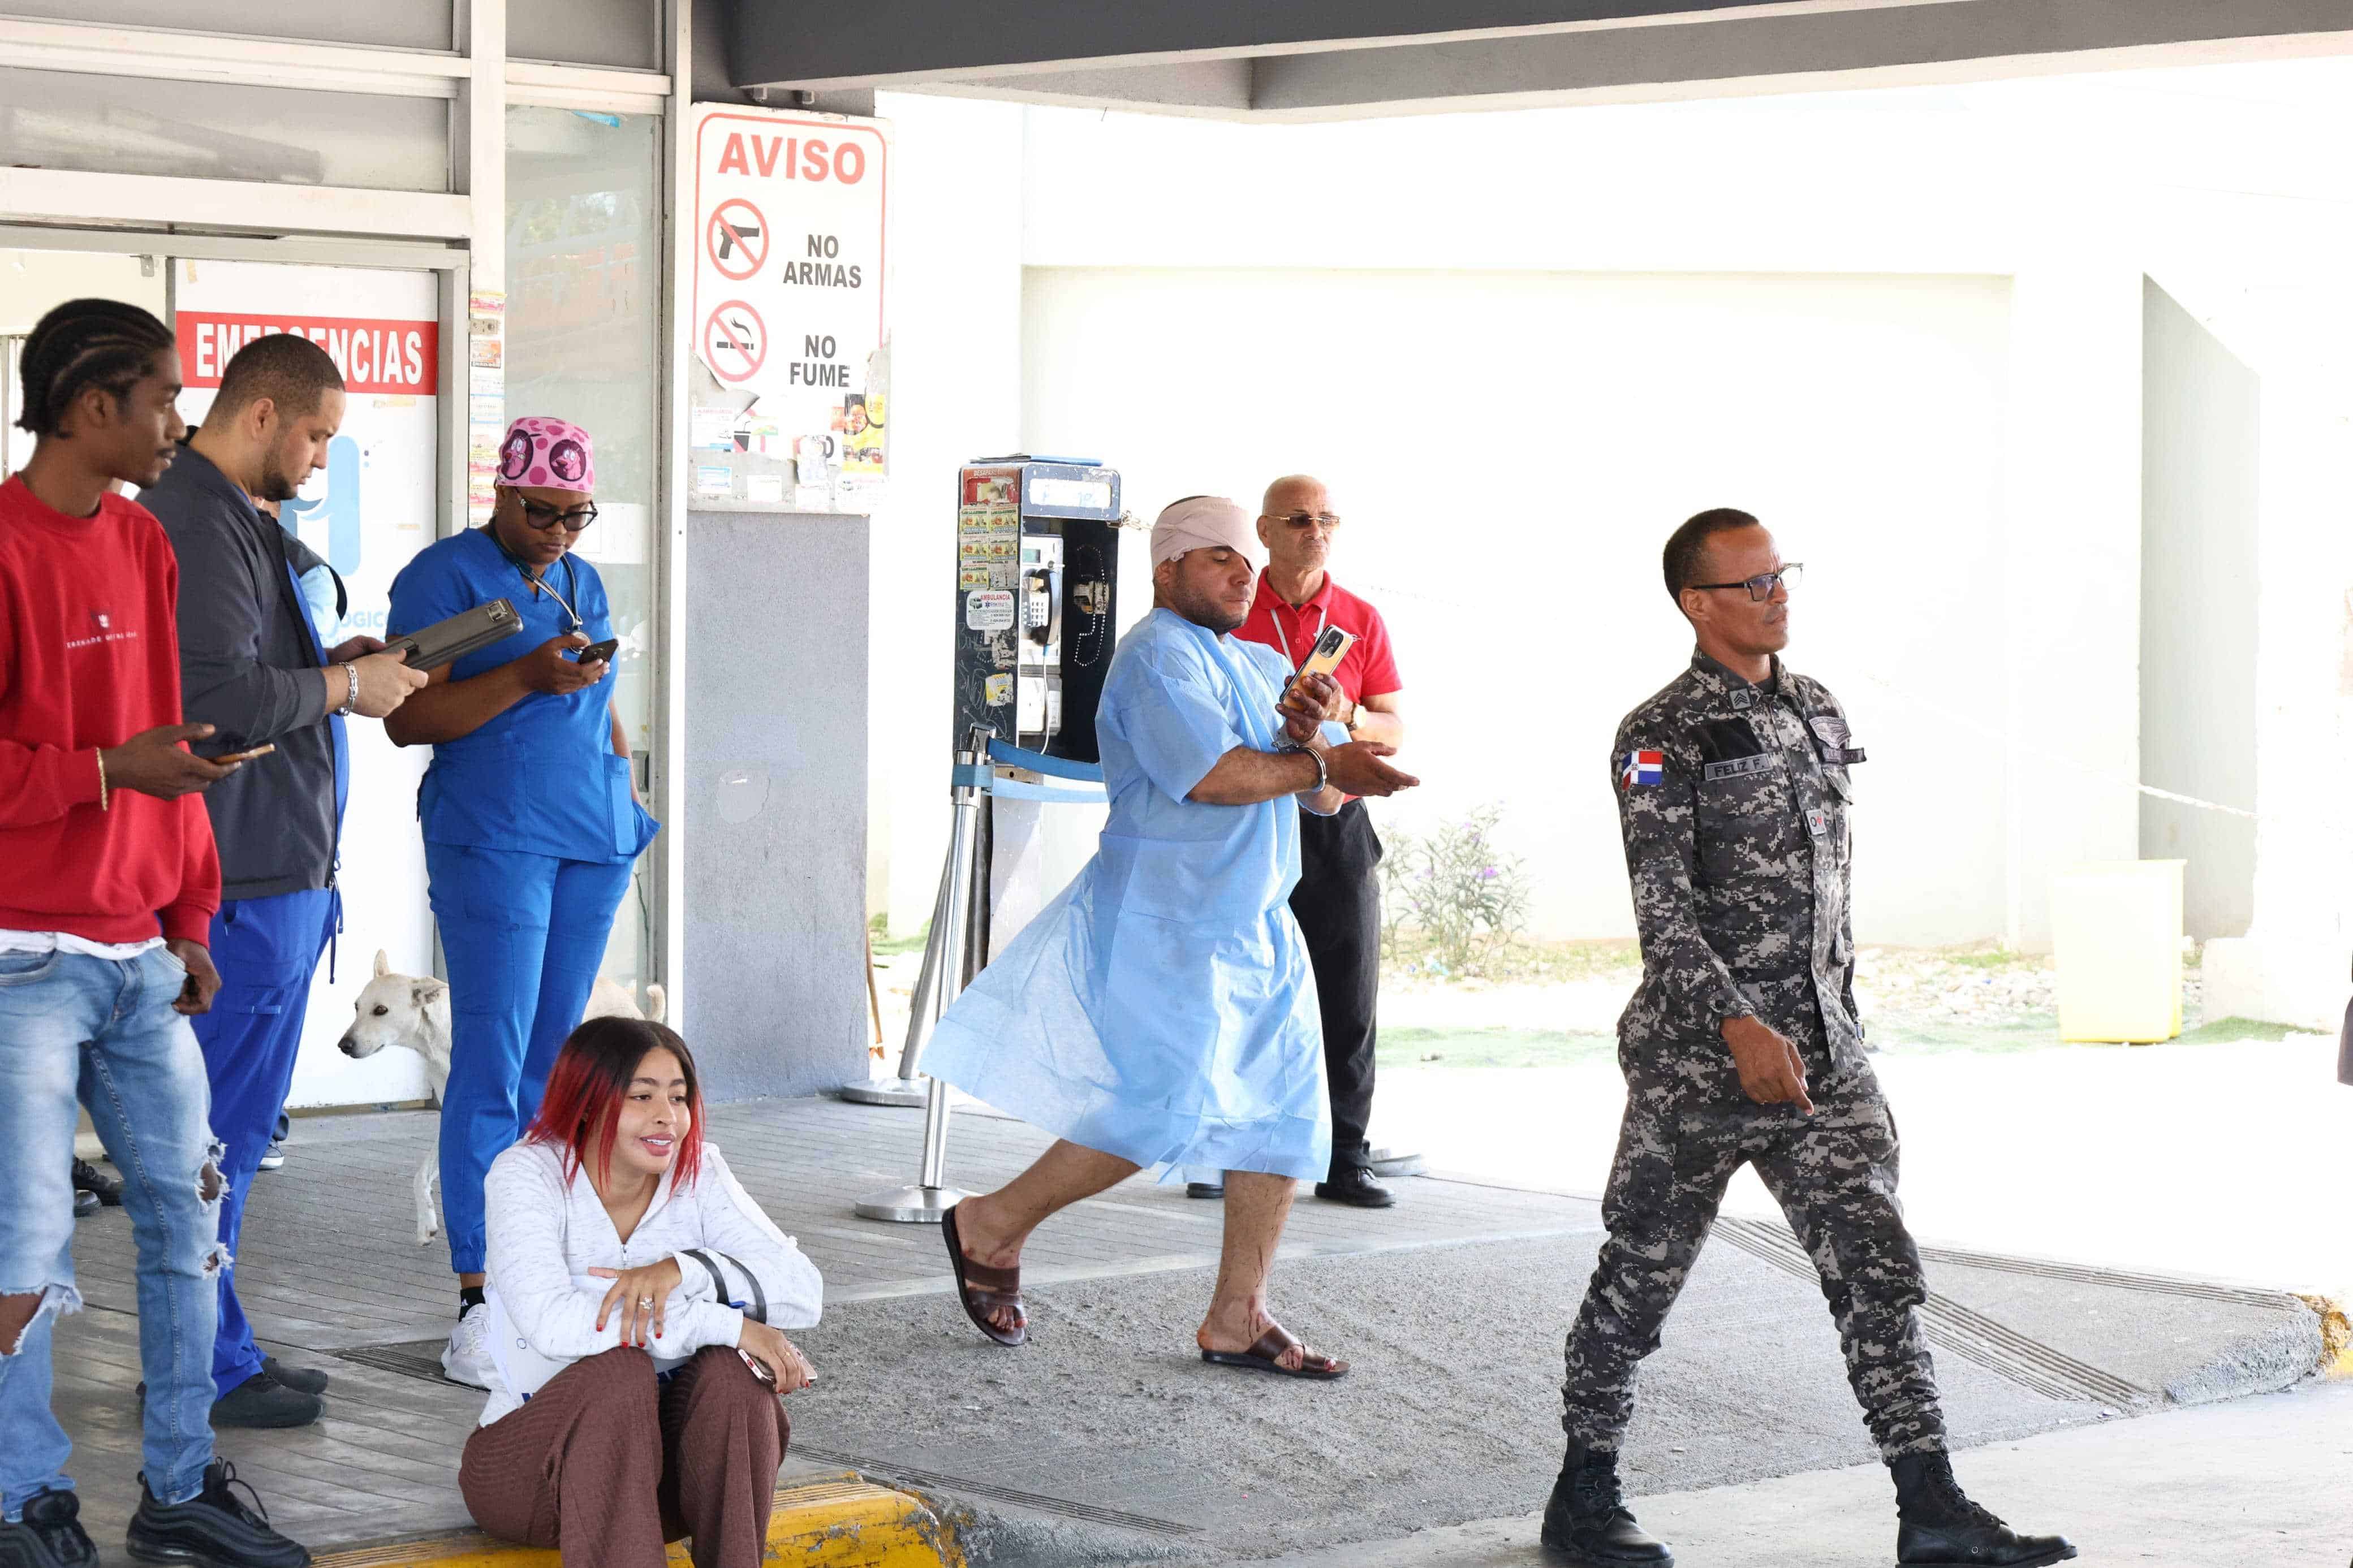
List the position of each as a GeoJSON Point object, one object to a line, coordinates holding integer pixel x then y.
{"type": "Point", "coordinates": [633, 826]}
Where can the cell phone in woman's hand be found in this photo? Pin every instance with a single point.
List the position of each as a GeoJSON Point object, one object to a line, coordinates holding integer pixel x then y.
{"type": "Point", "coordinates": [597, 652]}
{"type": "Point", "coordinates": [759, 1368]}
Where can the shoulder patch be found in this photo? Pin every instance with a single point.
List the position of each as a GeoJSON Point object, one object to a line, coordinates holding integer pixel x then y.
{"type": "Point", "coordinates": [1641, 768]}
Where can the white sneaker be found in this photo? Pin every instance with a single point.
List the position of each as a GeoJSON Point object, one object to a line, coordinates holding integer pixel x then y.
{"type": "Point", "coordinates": [467, 1357]}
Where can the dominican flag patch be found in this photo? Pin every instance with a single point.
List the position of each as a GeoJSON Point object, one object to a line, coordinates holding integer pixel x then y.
{"type": "Point", "coordinates": [1641, 768]}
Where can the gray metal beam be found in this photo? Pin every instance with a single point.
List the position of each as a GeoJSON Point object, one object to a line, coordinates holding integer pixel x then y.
{"type": "Point", "coordinates": [791, 43]}
{"type": "Point", "coordinates": [1784, 53]}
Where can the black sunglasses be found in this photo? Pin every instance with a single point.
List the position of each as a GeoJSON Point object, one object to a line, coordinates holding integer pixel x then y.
{"type": "Point", "coordinates": [1760, 587]}
{"type": "Point", "coordinates": [543, 517]}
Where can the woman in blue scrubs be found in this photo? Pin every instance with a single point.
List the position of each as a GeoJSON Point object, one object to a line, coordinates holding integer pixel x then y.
{"type": "Point", "coordinates": [531, 817]}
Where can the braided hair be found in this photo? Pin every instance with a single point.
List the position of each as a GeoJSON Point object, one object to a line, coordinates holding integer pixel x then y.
{"type": "Point", "coordinates": [83, 343]}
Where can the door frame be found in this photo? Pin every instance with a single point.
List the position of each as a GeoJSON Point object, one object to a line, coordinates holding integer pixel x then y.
{"type": "Point", "coordinates": [451, 286]}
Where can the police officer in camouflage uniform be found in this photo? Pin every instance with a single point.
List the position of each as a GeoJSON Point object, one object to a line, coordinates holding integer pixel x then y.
{"type": "Point", "coordinates": [1742, 1045]}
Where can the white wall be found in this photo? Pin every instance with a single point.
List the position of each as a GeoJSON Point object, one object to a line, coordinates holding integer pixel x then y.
{"type": "Point", "coordinates": [1511, 450]}
{"type": "Point", "coordinates": [2222, 184]}
{"type": "Point", "coordinates": [955, 391]}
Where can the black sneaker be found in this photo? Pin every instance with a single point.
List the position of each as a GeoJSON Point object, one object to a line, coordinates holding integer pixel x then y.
{"type": "Point", "coordinates": [303, 1379]}
{"type": "Point", "coordinates": [51, 1535]}
{"type": "Point", "coordinates": [88, 1178]}
{"type": "Point", "coordinates": [262, 1401]}
{"type": "Point", "coordinates": [85, 1204]}
{"type": "Point", "coordinates": [213, 1529]}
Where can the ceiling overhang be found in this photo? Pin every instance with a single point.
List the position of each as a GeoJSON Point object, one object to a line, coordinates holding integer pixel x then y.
{"type": "Point", "coordinates": [1334, 59]}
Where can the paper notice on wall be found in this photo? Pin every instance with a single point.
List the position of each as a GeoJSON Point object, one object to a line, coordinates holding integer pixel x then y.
{"type": "Point", "coordinates": [712, 429]}
{"type": "Point", "coordinates": [768, 490]}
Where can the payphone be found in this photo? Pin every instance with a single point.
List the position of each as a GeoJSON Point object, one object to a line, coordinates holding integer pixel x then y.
{"type": "Point", "coordinates": [1036, 603]}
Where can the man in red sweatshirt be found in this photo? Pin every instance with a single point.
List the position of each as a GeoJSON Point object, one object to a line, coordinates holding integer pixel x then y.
{"type": "Point", "coordinates": [108, 885]}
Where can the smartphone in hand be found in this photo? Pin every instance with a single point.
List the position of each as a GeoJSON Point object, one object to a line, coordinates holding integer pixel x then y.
{"type": "Point", "coordinates": [229, 757]}
{"type": "Point", "coordinates": [597, 652]}
{"type": "Point", "coordinates": [1330, 648]}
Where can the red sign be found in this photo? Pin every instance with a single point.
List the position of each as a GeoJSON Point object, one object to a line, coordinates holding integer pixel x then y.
{"type": "Point", "coordinates": [375, 356]}
{"type": "Point", "coordinates": [735, 341]}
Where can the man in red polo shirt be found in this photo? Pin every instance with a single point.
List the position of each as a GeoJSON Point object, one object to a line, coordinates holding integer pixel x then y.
{"type": "Point", "coordinates": [1338, 900]}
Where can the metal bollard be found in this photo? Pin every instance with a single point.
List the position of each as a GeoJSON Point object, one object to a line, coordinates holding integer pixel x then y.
{"type": "Point", "coordinates": [930, 1197]}
{"type": "Point", "coordinates": [907, 1089]}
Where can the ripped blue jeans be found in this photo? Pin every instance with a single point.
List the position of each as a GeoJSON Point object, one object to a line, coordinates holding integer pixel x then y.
{"type": "Point", "coordinates": [103, 1031]}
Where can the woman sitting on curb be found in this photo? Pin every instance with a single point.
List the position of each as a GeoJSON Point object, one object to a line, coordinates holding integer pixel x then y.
{"type": "Point", "coordinates": [636, 1294]}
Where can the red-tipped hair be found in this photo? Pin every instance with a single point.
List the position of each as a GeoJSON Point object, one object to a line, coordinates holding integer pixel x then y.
{"type": "Point", "coordinates": [580, 1111]}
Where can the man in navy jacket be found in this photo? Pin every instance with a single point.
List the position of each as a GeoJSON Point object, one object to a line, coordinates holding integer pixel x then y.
{"type": "Point", "coordinates": [251, 666]}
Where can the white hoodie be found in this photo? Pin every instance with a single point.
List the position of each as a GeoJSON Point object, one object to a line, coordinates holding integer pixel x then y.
{"type": "Point", "coordinates": [546, 1232]}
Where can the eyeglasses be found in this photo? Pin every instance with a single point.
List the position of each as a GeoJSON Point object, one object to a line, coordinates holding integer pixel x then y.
{"type": "Point", "coordinates": [1328, 522]}
{"type": "Point", "coordinates": [1760, 588]}
{"type": "Point", "coordinates": [544, 517]}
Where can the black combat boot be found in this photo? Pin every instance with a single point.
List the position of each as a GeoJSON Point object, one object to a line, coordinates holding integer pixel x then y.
{"type": "Point", "coordinates": [1586, 1519]}
{"type": "Point", "coordinates": [1940, 1524]}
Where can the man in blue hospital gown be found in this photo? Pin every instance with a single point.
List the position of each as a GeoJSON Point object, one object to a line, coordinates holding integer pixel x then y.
{"type": "Point", "coordinates": [1161, 1012]}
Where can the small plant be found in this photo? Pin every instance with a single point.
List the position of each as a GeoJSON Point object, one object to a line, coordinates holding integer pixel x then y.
{"type": "Point", "coordinates": [1465, 897]}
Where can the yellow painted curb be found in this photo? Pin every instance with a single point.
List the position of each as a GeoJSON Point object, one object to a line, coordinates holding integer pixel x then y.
{"type": "Point", "coordinates": [2335, 1335]}
{"type": "Point", "coordinates": [838, 1522]}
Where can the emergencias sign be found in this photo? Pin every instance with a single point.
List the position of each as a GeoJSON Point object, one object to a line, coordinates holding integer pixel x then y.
{"type": "Point", "coordinates": [789, 214]}
{"type": "Point", "coordinates": [374, 355]}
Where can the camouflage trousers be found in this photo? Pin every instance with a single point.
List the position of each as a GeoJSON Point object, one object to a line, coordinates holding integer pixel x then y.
{"type": "Point", "coordinates": [1833, 1174]}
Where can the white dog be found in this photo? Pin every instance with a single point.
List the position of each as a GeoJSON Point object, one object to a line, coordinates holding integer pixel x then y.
{"type": "Point", "coordinates": [412, 1013]}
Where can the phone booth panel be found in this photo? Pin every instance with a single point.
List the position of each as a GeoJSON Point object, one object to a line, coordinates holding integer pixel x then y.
{"type": "Point", "coordinates": [1037, 600]}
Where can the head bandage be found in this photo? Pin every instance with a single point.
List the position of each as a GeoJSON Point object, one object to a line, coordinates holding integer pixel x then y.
{"type": "Point", "coordinates": [1203, 522]}
{"type": "Point", "coordinates": [548, 454]}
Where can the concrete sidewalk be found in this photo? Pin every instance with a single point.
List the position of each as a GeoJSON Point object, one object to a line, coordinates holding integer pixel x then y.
{"type": "Point", "coordinates": [1106, 1438]}
{"type": "Point", "coordinates": [2265, 1482]}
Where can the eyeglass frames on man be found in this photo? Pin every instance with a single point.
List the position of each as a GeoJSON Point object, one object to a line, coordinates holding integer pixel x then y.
{"type": "Point", "coordinates": [1329, 521]}
{"type": "Point", "coordinates": [543, 517]}
{"type": "Point", "coordinates": [1760, 587]}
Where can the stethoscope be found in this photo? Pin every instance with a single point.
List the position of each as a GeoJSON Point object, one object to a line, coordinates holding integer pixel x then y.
{"type": "Point", "coordinates": [540, 584]}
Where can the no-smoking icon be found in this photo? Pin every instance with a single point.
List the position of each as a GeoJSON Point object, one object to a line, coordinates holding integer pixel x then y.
{"type": "Point", "coordinates": [738, 238]}
{"type": "Point", "coordinates": [735, 341]}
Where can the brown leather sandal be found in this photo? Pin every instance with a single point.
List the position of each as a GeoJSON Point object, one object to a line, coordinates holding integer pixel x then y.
{"type": "Point", "coordinates": [1267, 1356]}
{"type": "Point", "coordinates": [984, 1289]}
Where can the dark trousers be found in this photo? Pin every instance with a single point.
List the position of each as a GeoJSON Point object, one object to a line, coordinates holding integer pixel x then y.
{"type": "Point", "coordinates": [266, 951]}
{"type": "Point", "coordinates": [605, 1463]}
{"type": "Point", "coordinates": [1338, 906]}
{"type": "Point", "coordinates": [1833, 1174]}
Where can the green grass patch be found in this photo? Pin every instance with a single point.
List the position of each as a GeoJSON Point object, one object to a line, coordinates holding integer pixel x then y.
{"type": "Point", "coordinates": [1907, 1038]}
{"type": "Point", "coordinates": [1496, 1047]}
{"type": "Point", "coordinates": [890, 946]}
{"type": "Point", "coordinates": [2233, 1031]}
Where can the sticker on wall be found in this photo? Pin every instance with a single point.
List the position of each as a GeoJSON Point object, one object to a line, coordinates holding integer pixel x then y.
{"type": "Point", "coordinates": [988, 610]}
{"type": "Point", "coordinates": [972, 577]}
{"type": "Point", "coordinates": [999, 690]}
{"type": "Point", "coordinates": [715, 481]}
